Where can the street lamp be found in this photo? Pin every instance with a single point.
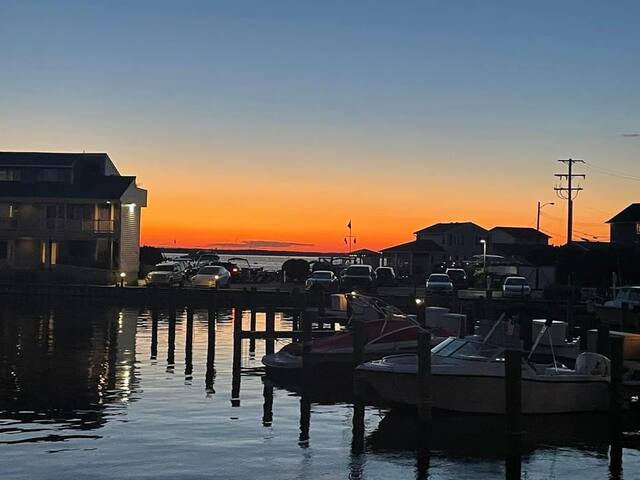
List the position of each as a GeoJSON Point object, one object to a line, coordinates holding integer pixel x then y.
{"type": "Point", "coordinates": [540, 207]}
{"type": "Point", "coordinates": [484, 260]}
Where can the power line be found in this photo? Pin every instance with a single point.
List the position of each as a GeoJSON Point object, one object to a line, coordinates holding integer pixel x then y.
{"type": "Point", "coordinates": [567, 193]}
{"type": "Point", "coordinates": [612, 173]}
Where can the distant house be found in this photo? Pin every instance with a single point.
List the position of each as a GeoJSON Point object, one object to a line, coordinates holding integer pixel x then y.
{"type": "Point", "coordinates": [68, 217]}
{"type": "Point", "coordinates": [367, 257]}
{"type": "Point", "coordinates": [625, 226]}
{"type": "Point", "coordinates": [517, 235]}
{"type": "Point", "coordinates": [414, 258]}
{"type": "Point", "coordinates": [459, 240]}
{"type": "Point", "coordinates": [516, 243]}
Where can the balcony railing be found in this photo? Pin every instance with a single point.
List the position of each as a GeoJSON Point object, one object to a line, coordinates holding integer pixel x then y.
{"type": "Point", "coordinates": [89, 226]}
{"type": "Point", "coordinates": [58, 225]}
{"type": "Point", "coordinates": [8, 223]}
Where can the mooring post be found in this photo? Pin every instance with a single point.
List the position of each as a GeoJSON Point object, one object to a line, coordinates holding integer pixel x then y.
{"type": "Point", "coordinates": [237, 321]}
{"type": "Point", "coordinates": [616, 355]}
{"type": "Point", "coordinates": [237, 357]}
{"type": "Point", "coordinates": [171, 340]}
{"type": "Point", "coordinates": [211, 350]}
{"type": "Point", "coordinates": [526, 330]}
{"type": "Point", "coordinates": [252, 327]}
{"type": "Point", "coordinates": [359, 342]}
{"type": "Point", "coordinates": [357, 431]}
{"type": "Point", "coordinates": [513, 393]}
{"type": "Point", "coordinates": [424, 376]}
{"type": "Point", "coordinates": [305, 402]}
{"type": "Point", "coordinates": [462, 326]}
{"type": "Point", "coordinates": [267, 407]}
{"type": "Point", "coordinates": [421, 307]}
{"type": "Point", "coordinates": [188, 354]}
{"type": "Point", "coordinates": [306, 346]}
{"type": "Point", "coordinates": [295, 324]}
{"type": "Point", "coordinates": [602, 345]}
{"type": "Point", "coordinates": [270, 329]}
{"type": "Point", "coordinates": [154, 332]}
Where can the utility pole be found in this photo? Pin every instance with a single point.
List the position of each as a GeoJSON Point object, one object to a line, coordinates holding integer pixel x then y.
{"type": "Point", "coordinates": [569, 193]}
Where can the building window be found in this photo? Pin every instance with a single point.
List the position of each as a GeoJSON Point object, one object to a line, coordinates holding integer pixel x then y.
{"type": "Point", "coordinates": [638, 228]}
{"type": "Point", "coordinates": [9, 175]}
{"type": "Point", "coordinates": [54, 175]}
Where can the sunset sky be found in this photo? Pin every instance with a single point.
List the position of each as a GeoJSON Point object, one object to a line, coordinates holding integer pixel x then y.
{"type": "Point", "coordinates": [273, 123]}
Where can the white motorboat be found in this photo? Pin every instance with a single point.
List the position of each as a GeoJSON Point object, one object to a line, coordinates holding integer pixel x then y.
{"type": "Point", "coordinates": [467, 375]}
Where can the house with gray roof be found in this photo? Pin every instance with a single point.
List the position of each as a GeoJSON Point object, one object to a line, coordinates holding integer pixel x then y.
{"type": "Point", "coordinates": [459, 240]}
{"type": "Point", "coordinates": [625, 226]}
{"type": "Point", "coordinates": [68, 217]}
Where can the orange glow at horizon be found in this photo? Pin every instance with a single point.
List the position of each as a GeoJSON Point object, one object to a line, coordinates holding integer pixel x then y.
{"type": "Point", "coordinates": [302, 213]}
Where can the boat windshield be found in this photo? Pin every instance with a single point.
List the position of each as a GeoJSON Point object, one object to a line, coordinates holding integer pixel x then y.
{"type": "Point", "coordinates": [467, 350]}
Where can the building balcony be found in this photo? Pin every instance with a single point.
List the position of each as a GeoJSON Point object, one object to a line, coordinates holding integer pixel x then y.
{"type": "Point", "coordinates": [60, 225]}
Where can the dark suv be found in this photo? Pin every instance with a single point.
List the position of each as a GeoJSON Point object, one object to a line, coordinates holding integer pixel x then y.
{"type": "Point", "coordinates": [458, 277]}
{"type": "Point", "coordinates": [385, 276]}
{"type": "Point", "coordinates": [357, 278]}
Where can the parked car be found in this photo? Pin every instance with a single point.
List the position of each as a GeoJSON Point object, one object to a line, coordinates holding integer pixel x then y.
{"type": "Point", "coordinates": [439, 283]}
{"type": "Point", "coordinates": [325, 279]}
{"type": "Point", "coordinates": [232, 268]}
{"type": "Point", "coordinates": [165, 274]}
{"type": "Point", "coordinates": [358, 278]}
{"type": "Point", "coordinates": [385, 276]}
{"type": "Point", "coordinates": [515, 287]}
{"type": "Point", "coordinates": [458, 277]}
{"type": "Point", "coordinates": [211, 276]}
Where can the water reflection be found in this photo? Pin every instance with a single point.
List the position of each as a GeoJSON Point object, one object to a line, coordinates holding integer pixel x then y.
{"type": "Point", "coordinates": [65, 371]}
{"type": "Point", "coordinates": [74, 367]}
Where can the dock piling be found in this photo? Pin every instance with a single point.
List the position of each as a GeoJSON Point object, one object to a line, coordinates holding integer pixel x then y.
{"type": "Point", "coordinates": [306, 346]}
{"type": "Point", "coordinates": [359, 342]}
{"type": "Point", "coordinates": [188, 354]}
{"type": "Point", "coordinates": [154, 332]}
{"type": "Point", "coordinates": [616, 355]}
{"type": "Point", "coordinates": [171, 340]}
{"type": "Point", "coordinates": [513, 392]}
{"type": "Point", "coordinates": [424, 377]}
{"type": "Point", "coordinates": [211, 350]}
{"type": "Point", "coordinates": [270, 330]}
{"type": "Point", "coordinates": [252, 327]}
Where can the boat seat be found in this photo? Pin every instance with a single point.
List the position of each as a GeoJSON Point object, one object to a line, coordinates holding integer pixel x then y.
{"type": "Point", "coordinates": [589, 363]}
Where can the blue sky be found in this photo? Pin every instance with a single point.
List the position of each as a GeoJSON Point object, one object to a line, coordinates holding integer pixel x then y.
{"type": "Point", "coordinates": [493, 90]}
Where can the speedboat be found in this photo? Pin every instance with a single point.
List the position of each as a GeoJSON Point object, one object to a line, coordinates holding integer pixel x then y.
{"type": "Point", "coordinates": [467, 375]}
{"type": "Point", "coordinates": [387, 331]}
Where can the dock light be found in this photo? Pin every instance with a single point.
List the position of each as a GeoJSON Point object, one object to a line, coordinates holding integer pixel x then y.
{"type": "Point", "coordinates": [354, 293]}
{"type": "Point", "coordinates": [419, 301]}
{"type": "Point", "coordinates": [122, 275]}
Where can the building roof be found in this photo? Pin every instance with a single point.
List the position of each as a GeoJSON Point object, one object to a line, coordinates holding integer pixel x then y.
{"type": "Point", "coordinates": [417, 246]}
{"type": "Point", "coordinates": [439, 228]}
{"type": "Point", "coordinates": [364, 251]}
{"type": "Point", "coordinates": [522, 233]}
{"type": "Point", "coordinates": [629, 214]}
{"type": "Point", "coordinates": [109, 187]}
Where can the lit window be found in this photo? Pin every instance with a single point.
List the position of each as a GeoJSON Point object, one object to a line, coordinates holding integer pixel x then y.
{"type": "Point", "coordinates": [638, 228]}
{"type": "Point", "coordinates": [9, 175]}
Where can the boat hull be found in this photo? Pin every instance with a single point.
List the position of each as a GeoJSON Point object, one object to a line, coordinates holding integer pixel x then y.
{"type": "Point", "coordinates": [486, 394]}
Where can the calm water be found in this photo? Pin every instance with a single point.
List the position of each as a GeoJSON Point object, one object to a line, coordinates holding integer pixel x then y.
{"type": "Point", "coordinates": [89, 391]}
